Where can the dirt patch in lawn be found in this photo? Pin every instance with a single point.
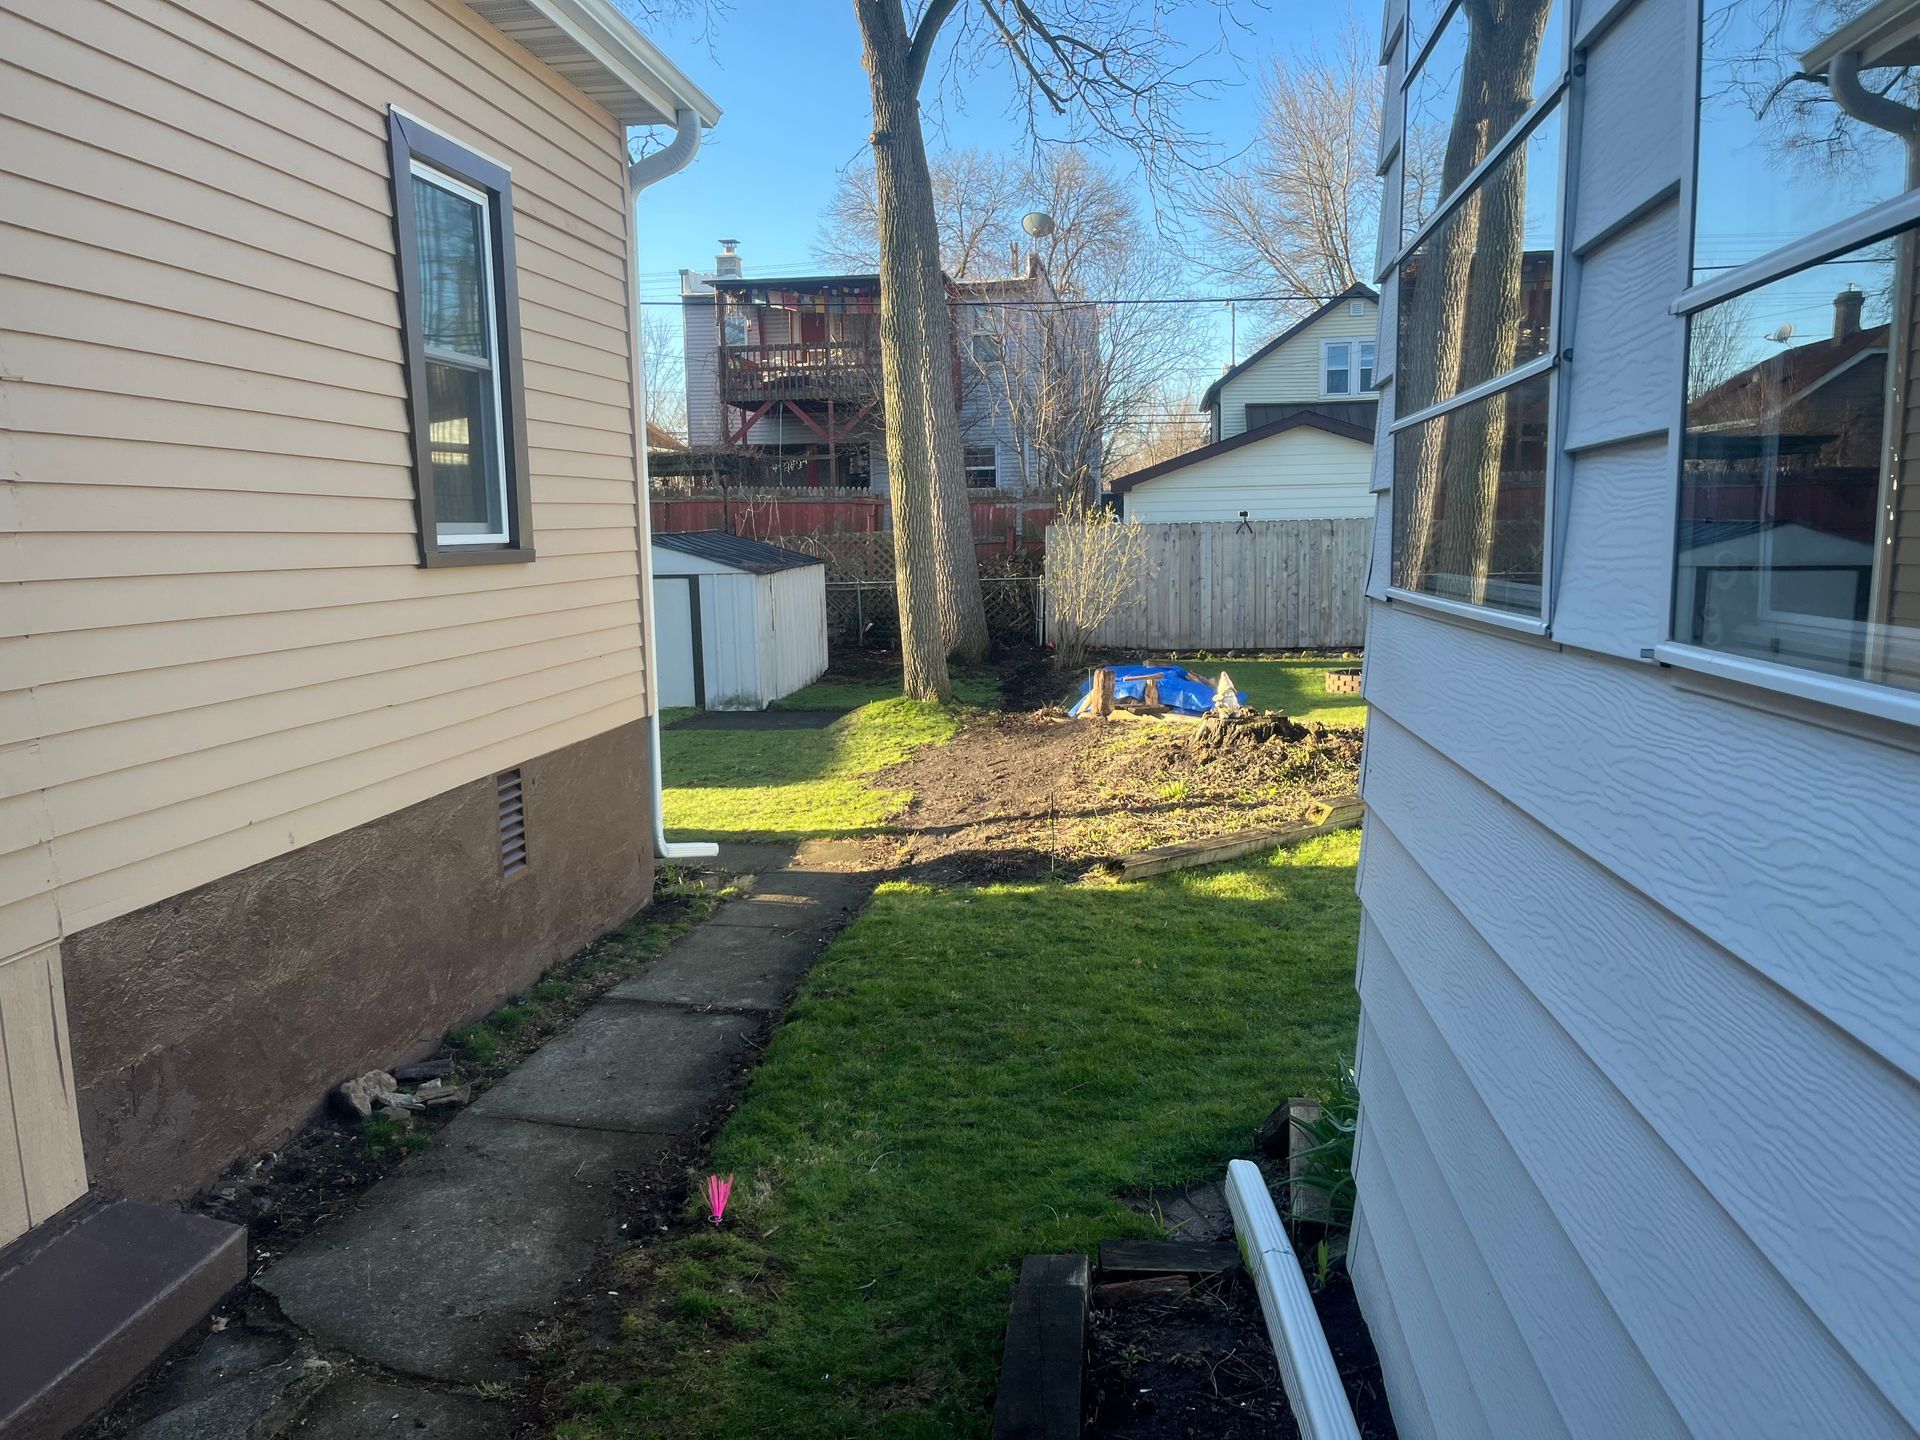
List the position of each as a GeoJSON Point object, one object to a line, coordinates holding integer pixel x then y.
{"type": "Point", "coordinates": [1201, 1363]}
{"type": "Point", "coordinates": [1015, 795]}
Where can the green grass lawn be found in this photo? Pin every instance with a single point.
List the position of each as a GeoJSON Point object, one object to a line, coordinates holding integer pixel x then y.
{"type": "Point", "coordinates": [968, 1076]}
{"type": "Point", "coordinates": [1295, 686]}
{"type": "Point", "coordinates": [978, 687]}
{"type": "Point", "coordinates": [793, 784]}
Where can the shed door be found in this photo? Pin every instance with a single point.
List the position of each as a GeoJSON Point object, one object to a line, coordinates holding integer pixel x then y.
{"type": "Point", "coordinates": [676, 635]}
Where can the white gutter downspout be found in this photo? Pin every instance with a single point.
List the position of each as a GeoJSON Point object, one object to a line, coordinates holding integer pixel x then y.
{"type": "Point", "coordinates": [640, 174]}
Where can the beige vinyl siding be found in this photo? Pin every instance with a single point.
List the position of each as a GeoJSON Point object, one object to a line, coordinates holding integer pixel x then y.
{"type": "Point", "coordinates": [1301, 474]}
{"type": "Point", "coordinates": [228, 645]}
{"type": "Point", "coordinates": [1291, 374]}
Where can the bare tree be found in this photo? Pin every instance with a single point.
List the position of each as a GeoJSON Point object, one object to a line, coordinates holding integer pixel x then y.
{"type": "Point", "coordinates": [1169, 424]}
{"type": "Point", "coordinates": [664, 364]}
{"type": "Point", "coordinates": [1297, 214]}
{"type": "Point", "coordinates": [1095, 563]}
{"type": "Point", "coordinates": [1112, 63]}
{"type": "Point", "coordinates": [977, 199]}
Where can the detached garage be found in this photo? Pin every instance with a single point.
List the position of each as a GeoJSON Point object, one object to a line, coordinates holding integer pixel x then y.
{"type": "Point", "coordinates": [1307, 466]}
{"type": "Point", "coordinates": [737, 623]}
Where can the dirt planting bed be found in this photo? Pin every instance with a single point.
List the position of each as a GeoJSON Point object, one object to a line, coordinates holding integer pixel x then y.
{"type": "Point", "coordinates": [1199, 1363]}
{"type": "Point", "coordinates": [1023, 794]}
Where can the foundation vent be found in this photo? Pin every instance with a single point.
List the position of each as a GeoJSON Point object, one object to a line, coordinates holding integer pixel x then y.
{"type": "Point", "coordinates": [513, 823]}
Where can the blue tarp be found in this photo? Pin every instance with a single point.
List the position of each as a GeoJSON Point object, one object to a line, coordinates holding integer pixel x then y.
{"type": "Point", "coordinates": [1180, 689]}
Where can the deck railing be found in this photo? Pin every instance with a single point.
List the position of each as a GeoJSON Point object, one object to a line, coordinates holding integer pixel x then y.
{"type": "Point", "coordinates": [837, 369]}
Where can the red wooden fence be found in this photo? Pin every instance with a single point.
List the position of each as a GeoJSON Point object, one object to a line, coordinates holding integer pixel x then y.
{"type": "Point", "coordinates": [1002, 525]}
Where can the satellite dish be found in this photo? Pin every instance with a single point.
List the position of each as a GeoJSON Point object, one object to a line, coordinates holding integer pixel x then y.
{"type": "Point", "coordinates": [1037, 223]}
{"type": "Point", "coordinates": [1780, 335]}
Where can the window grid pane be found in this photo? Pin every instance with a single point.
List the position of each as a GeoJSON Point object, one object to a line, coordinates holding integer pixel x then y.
{"type": "Point", "coordinates": [1469, 501]}
{"type": "Point", "coordinates": [1778, 159]}
{"type": "Point", "coordinates": [1799, 534]}
{"type": "Point", "coordinates": [1476, 295]}
{"type": "Point", "coordinates": [1469, 93]}
{"type": "Point", "coordinates": [465, 435]}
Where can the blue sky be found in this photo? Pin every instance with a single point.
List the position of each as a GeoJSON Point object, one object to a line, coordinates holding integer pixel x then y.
{"type": "Point", "coordinates": [788, 77]}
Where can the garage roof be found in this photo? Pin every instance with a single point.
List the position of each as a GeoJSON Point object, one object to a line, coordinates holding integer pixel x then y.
{"type": "Point", "coordinates": [755, 557]}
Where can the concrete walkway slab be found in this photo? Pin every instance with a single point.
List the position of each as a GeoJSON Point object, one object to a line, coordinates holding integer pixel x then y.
{"type": "Point", "coordinates": [730, 969]}
{"type": "Point", "coordinates": [625, 1067]}
{"type": "Point", "coordinates": [462, 1248]}
{"type": "Point", "coordinates": [360, 1409]}
{"type": "Point", "coordinates": [482, 1237]}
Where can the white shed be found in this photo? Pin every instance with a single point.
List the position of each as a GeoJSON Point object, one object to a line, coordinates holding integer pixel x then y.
{"type": "Point", "coordinates": [737, 623]}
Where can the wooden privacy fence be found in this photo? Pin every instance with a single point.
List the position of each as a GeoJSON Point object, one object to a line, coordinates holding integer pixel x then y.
{"type": "Point", "coordinates": [1247, 585]}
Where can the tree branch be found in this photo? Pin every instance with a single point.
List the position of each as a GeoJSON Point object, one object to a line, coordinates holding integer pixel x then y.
{"type": "Point", "coordinates": [924, 36]}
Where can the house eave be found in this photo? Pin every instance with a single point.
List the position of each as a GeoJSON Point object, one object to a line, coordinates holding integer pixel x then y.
{"type": "Point", "coordinates": [602, 54]}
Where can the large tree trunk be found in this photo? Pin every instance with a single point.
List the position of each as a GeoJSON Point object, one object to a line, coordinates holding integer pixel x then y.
{"type": "Point", "coordinates": [934, 565]}
{"type": "Point", "coordinates": [909, 272]}
{"type": "Point", "coordinates": [963, 612]}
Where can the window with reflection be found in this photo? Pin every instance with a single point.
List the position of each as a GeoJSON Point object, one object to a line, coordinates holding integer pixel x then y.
{"type": "Point", "coordinates": [1472, 381]}
{"type": "Point", "coordinates": [453, 229]}
{"type": "Point", "coordinates": [1778, 159]}
{"type": "Point", "coordinates": [1799, 536]}
{"type": "Point", "coordinates": [1469, 501]}
{"type": "Point", "coordinates": [1476, 295]}
{"type": "Point", "coordinates": [1494, 60]}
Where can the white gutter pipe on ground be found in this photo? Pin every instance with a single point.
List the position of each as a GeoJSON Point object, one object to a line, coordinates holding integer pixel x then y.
{"type": "Point", "coordinates": [640, 174]}
{"type": "Point", "coordinates": [1314, 1390]}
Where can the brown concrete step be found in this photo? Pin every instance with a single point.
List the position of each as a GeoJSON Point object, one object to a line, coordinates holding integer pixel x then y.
{"type": "Point", "coordinates": [94, 1296]}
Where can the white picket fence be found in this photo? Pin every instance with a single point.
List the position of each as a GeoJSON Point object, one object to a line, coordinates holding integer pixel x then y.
{"type": "Point", "coordinates": [1258, 585]}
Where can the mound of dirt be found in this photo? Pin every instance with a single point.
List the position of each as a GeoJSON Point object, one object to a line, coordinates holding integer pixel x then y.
{"type": "Point", "coordinates": [1015, 796]}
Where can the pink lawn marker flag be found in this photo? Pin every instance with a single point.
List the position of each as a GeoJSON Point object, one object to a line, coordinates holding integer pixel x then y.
{"type": "Point", "coordinates": [718, 1193]}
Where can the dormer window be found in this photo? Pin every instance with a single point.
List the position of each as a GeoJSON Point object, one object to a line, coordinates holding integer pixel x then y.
{"type": "Point", "coordinates": [1339, 360]}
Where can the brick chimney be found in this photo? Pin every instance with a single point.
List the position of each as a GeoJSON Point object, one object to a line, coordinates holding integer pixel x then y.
{"type": "Point", "coordinates": [1846, 313]}
{"type": "Point", "coordinates": [727, 262]}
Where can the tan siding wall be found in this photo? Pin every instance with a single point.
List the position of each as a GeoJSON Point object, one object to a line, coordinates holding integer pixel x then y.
{"type": "Point", "coordinates": [1292, 373]}
{"type": "Point", "coordinates": [225, 646]}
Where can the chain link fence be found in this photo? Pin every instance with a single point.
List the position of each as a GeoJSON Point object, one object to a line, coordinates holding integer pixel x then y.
{"type": "Point", "coordinates": [865, 614]}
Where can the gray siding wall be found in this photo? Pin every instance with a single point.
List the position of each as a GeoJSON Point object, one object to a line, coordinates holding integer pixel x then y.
{"type": "Point", "coordinates": [1640, 1046]}
{"type": "Point", "coordinates": [702, 351]}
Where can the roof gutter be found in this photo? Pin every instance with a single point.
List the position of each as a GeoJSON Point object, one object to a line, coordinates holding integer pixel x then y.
{"type": "Point", "coordinates": [641, 173]}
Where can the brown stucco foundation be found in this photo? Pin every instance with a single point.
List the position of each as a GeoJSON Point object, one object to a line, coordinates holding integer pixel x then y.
{"type": "Point", "coordinates": [213, 1023]}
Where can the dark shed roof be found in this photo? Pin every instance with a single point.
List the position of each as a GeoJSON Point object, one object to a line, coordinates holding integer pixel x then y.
{"type": "Point", "coordinates": [756, 557]}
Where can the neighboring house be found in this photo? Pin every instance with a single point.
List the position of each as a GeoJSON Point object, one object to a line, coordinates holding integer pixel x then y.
{"type": "Point", "coordinates": [1292, 429]}
{"type": "Point", "coordinates": [317, 325]}
{"type": "Point", "coordinates": [1322, 364]}
{"type": "Point", "coordinates": [787, 370]}
{"type": "Point", "coordinates": [1639, 1055]}
{"type": "Point", "coordinates": [738, 623]}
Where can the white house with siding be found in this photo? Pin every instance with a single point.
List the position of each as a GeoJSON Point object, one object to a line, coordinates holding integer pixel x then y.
{"type": "Point", "coordinates": [1323, 362]}
{"type": "Point", "coordinates": [1639, 1054]}
{"type": "Point", "coordinates": [1291, 429]}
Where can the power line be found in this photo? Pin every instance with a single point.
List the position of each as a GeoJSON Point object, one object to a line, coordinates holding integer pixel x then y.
{"type": "Point", "coordinates": [1077, 301]}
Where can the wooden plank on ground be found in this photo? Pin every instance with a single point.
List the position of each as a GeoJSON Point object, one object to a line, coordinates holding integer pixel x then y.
{"type": "Point", "coordinates": [1340, 807]}
{"type": "Point", "coordinates": [1124, 1259]}
{"type": "Point", "coordinates": [1043, 1368]}
{"type": "Point", "coordinates": [1224, 847]}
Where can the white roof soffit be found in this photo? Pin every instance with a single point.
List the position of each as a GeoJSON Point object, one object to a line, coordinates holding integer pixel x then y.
{"type": "Point", "coordinates": [1886, 34]}
{"type": "Point", "coordinates": [603, 54]}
